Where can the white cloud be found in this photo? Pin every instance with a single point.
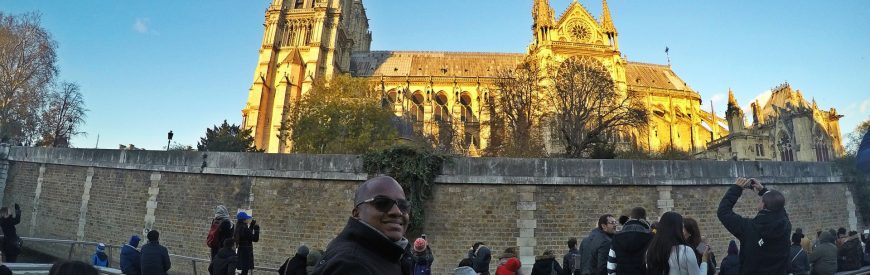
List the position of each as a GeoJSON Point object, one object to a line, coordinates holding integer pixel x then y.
{"type": "Point", "coordinates": [141, 25]}
{"type": "Point", "coordinates": [865, 106]}
{"type": "Point", "coordinates": [762, 98]}
{"type": "Point", "coordinates": [718, 98]}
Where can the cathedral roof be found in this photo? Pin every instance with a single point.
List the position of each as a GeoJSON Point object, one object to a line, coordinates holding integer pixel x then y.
{"type": "Point", "coordinates": [401, 63]}
{"type": "Point", "coordinates": [654, 76]}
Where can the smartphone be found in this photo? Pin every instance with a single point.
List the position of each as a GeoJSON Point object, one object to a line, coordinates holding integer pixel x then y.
{"type": "Point", "coordinates": [867, 231]}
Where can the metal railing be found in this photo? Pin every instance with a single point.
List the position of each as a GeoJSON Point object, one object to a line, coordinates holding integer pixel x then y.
{"type": "Point", "coordinates": [110, 248]}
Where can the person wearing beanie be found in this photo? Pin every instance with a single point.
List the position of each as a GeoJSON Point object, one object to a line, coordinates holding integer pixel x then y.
{"type": "Point", "coordinates": [798, 258]}
{"type": "Point", "coordinates": [296, 265]}
{"type": "Point", "coordinates": [731, 263]}
{"type": "Point", "coordinates": [220, 230]}
{"type": "Point", "coordinates": [130, 257]}
{"type": "Point", "coordinates": [418, 258]}
{"type": "Point", "coordinates": [224, 262]}
{"type": "Point", "coordinates": [824, 256]}
{"type": "Point", "coordinates": [246, 234]}
{"type": "Point", "coordinates": [155, 257]}
{"type": "Point", "coordinates": [100, 258]}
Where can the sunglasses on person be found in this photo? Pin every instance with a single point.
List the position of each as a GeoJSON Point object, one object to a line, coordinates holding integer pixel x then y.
{"type": "Point", "coordinates": [385, 204]}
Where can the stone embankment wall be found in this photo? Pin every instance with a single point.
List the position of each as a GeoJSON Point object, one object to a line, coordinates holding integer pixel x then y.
{"type": "Point", "coordinates": [533, 204]}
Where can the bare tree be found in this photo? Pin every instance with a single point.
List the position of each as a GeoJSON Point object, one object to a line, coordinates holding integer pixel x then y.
{"type": "Point", "coordinates": [588, 109]}
{"type": "Point", "coordinates": [27, 69]}
{"type": "Point", "coordinates": [519, 103]}
{"type": "Point", "coordinates": [63, 116]}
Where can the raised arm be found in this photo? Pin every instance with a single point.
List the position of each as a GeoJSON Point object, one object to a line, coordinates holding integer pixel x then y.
{"type": "Point", "coordinates": [732, 221]}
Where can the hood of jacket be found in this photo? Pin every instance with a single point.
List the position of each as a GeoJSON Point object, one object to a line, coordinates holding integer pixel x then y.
{"type": "Point", "coordinates": [826, 237]}
{"type": "Point", "coordinates": [772, 224]}
{"type": "Point", "coordinates": [464, 270]}
{"type": "Point", "coordinates": [545, 258]}
{"type": "Point", "coordinates": [512, 264]}
{"type": "Point", "coordinates": [134, 241]}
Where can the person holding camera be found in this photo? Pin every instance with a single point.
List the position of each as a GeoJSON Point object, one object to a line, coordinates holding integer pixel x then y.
{"type": "Point", "coordinates": [764, 239]}
{"type": "Point", "coordinates": [11, 245]}
{"type": "Point", "coordinates": [247, 232]}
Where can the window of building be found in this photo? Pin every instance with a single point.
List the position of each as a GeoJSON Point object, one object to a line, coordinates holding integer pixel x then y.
{"type": "Point", "coordinates": [466, 115]}
{"type": "Point", "coordinates": [440, 112]}
{"type": "Point", "coordinates": [786, 151]}
{"type": "Point", "coordinates": [299, 4]}
{"type": "Point", "coordinates": [822, 151]}
{"type": "Point", "coordinates": [417, 107]}
{"type": "Point", "coordinates": [759, 150]}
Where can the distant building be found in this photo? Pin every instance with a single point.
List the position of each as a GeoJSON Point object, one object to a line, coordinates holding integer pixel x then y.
{"type": "Point", "coordinates": [785, 127]}
{"type": "Point", "coordinates": [308, 39]}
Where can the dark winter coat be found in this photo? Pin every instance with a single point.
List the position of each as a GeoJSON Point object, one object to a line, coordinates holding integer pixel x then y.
{"type": "Point", "coordinates": [294, 266]}
{"type": "Point", "coordinates": [223, 263]}
{"type": "Point", "coordinates": [480, 261]}
{"type": "Point", "coordinates": [730, 265]}
{"type": "Point", "coordinates": [414, 264]}
{"type": "Point", "coordinates": [361, 250]}
{"type": "Point", "coordinates": [764, 240]}
{"type": "Point", "coordinates": [629, 248]}
{"type": "Point", "coordinates": [10, 246]}
{"type": "Point", "coordinates": [225, 231]}
{"type": "Point", "coordinates": [799, 263]}
{"type": "Point", "coordinates": [593, 253]}
{"type": "Point", "coordinates": [568, 261]}
{"type": "Point", "coordinates": [246, 236]}
{"type": "Point", "coordinates": [131, 260]}
{"type": "Point", "coordinates": [155, 259]}
{"type": "Point", "coordinates": [850, 256]}
{"type": "Point", "coordinates": [824, 256]}
{"type": "Point", "coordinates": [544, 265]}
{"type": "Point", "coordinates": [4, 270]}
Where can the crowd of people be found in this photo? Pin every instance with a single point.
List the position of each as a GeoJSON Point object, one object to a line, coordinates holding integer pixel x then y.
{"type": "Point", "coordinates": [373, 242]}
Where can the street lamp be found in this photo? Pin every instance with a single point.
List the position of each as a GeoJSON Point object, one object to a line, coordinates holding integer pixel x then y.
{"type": "Point", "coordinates": [169, 137]}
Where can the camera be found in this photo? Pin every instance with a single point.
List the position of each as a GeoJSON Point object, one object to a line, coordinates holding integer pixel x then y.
{"type": "Point", "coordinates": [752, 184]}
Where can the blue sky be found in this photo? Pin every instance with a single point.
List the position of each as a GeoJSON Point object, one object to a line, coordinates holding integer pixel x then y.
{"type": "Point", "coordinates": [146, 67]}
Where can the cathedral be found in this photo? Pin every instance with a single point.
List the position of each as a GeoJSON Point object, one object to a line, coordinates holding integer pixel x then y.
{"type": "Point", "coordinates": [308, 39]}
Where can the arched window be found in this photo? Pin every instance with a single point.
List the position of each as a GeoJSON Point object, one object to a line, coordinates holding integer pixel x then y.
{"type": "Point", "coordinates": [822, 150]}
{"type": "Point", "coordinates": [440, 112]}
{"type": "Point", "coordinates": [466, 115]}
{"type": "Point", "coordinates": [417, 107]}
{"type": "Point", "coordinates": [299, 4]}
{"type": "Point", "coordinates": [786, 151]}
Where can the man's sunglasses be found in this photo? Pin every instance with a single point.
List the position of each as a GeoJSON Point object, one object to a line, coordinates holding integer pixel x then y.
{"type": "Point", "coordinates": [384, 204]}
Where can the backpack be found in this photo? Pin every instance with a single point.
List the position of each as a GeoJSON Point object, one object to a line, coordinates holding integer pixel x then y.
{"type": "Point", "coordinates": [213, 241]}
{"type": "Point", "coordinates": [570, 263]}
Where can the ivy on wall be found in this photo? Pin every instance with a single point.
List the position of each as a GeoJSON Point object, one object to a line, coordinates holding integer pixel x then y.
{"type": "Point", "coordinates": [415, 170]}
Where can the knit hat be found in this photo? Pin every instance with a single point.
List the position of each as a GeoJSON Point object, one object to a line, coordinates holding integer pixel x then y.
{"type": "Point", "coordinates": [101, 247]}
{"type": "Point", "coordinates": [420, 245]}
{"type": "Point", "coordinates": [243, 216]}
{"type": "Point", "coordinates": [302, 251]}
{"type": "Point", "coordinates": [732, 247]}
{"type": "Point", "coordinates": [134, 241]}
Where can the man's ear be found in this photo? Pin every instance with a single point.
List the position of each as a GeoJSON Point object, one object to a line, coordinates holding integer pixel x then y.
{"type": "Point", "coordinates": [355, 213]}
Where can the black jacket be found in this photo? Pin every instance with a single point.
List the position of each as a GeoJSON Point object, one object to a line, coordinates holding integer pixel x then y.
{"type": "Point", "coordinates": [294, 266]}
{"type": "Point", "coordinates": [361, 250]}
{"type": "Point", "coordinates": [10, 243]}
{"type": "Point", "coordinates": [131, 260]}
{"type": "Point", "coordinates": [798, 260]}
{"type": "Point", "coordinates": [569, 261]}
{"type": "Point", "coordinates": [764, 240]}
{"type": "Point", "coordinates": [245, 238]}
{"type": "Point", "coordinates": [730, 265]}
{"type": "Point", "coordinates": [155, 259]}
{"type": "Point", "coordinates": [593, 253]}
{"type": "Point", "coordinates": [223, 263]}
{"type": "Point", "coordinates": [629, 248]}
{"type": "Point", "coordinates": [544, 265]}
{"type": "Point", "coordinates": [480, 261]}
{"type": "Point", "coordinates": [849, 256]}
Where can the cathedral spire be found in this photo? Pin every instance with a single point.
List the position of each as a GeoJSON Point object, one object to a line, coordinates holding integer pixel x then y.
{"type": "Point", "coordinates": [606, 21]}
{"type": "Point", "coordinates": [732, 101]}
{"type": "Point", "coordinates": [543, 20]}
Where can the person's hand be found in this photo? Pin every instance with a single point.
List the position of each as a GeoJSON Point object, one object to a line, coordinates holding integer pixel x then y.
{"type": "Point", "coordinates": [742, 182]}
{"type": "Point", "coordinates": [756, 185]}
{"type": "Point", "coordinates": [705, 255]}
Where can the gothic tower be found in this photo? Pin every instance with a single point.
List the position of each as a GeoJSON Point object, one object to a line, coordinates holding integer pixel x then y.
{"type": "Point", "coordinates": [303, 40]}
{"type": "Point", "coordinates": [734, 115]}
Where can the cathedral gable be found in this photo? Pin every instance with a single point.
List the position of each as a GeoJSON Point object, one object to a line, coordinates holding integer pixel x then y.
{"type": "Point", "coordinates": [577, 25]}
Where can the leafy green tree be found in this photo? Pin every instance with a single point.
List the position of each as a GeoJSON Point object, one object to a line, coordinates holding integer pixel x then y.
{"type": "Point", "coordinates": [339, 116]}
{"type": "Point", "coordinates": [227, 138]}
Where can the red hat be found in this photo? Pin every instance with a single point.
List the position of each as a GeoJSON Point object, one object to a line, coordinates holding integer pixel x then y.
{"type": "Point", "coordinates": [420, 245]}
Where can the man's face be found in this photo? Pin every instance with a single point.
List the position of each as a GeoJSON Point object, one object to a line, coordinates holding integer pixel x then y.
{"type": "Point", "coordinates": [610, 227]}
{"type": "Point", "coordinates": [391, 221]}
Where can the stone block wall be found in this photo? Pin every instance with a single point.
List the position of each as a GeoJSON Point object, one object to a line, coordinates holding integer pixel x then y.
{"type": "Point", "coordinates": [534, 205]}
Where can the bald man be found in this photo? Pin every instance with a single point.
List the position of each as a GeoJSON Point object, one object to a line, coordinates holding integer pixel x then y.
{"type": "Point", "coordinates": [373, 240]}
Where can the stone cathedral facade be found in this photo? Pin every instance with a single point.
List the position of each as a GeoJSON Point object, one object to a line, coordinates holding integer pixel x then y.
{"type": "Point", "coordinates": [307, 39]}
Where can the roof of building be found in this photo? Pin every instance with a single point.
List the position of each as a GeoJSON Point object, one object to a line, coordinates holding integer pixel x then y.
{"type": "Point", "coordinates": [401, 63]}
{"type": "Point", "coordinates": [654, 76]}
